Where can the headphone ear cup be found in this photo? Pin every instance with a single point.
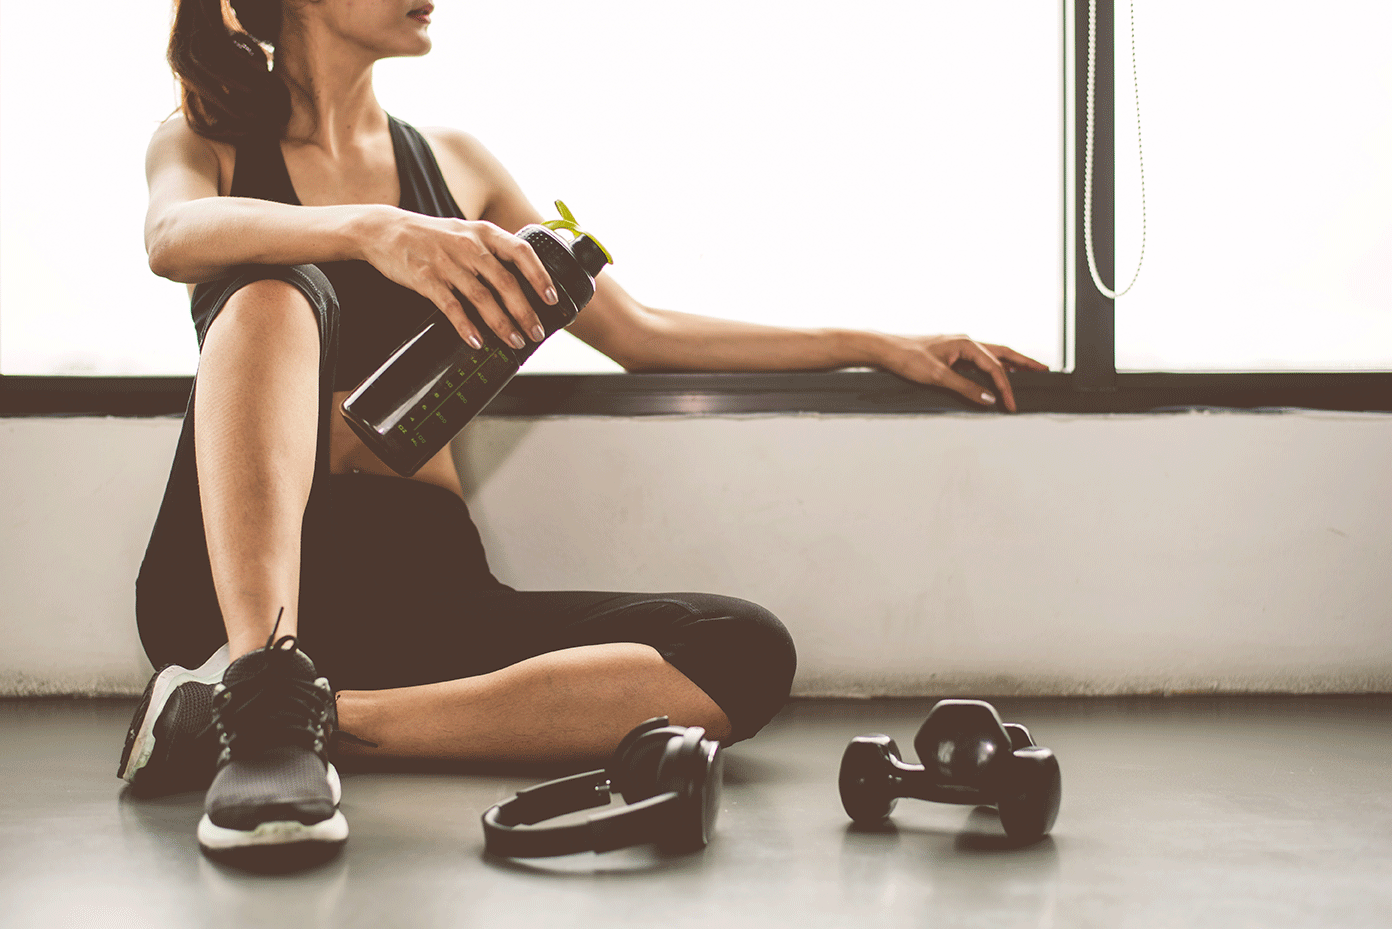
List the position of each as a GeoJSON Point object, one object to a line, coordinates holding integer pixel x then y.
{"type": "Point", "coordinates": [676, 769]}
{"type": "Point", "coordinates": [616, 760]}
{"type": "Point", "coordinates": [690, 769]}
{"type": "Point", "coordinates": [635, 775]}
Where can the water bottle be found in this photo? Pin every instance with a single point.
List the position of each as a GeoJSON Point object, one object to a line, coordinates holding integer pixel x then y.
{"type": "Point", "coordinates": [435, 382]}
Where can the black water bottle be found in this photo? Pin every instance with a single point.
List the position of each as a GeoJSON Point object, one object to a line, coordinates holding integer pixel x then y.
{"type": "Point", "coordinates": [435, 382]}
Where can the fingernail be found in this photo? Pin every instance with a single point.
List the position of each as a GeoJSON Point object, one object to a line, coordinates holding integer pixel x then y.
{"type": "Point", "coordinates": [474, 341]}
{"type": "Point", "coordinates": [538, 333]}
{"type": "Point", "coordinates": [551, 295]}
{"type": "Point", "coordinates": [987, 398]}
{"type": "Point", "coordinates": [517, 341]}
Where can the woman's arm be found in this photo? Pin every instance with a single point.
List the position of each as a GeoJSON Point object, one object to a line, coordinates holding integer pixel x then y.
{"type": "Point", "coordinates": [641, 338]}
{"type": "Point", "coordinates": [645, 339]}
{"type": "Point", "coordinates": [192, 235]}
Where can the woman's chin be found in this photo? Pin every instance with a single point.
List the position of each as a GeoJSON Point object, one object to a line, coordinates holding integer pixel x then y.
{"type": "Point", "coordinates": [421, 45]}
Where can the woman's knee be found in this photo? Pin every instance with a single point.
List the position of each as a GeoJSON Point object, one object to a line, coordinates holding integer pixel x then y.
{"type": "Point", "coordinates": [742, 655]}
{"type": "Point", "coordinates": [269, 309]}
{"type": "Point", "coordinates": [283, 305]}
{"type": "Point", "coordinates": [767, 640]}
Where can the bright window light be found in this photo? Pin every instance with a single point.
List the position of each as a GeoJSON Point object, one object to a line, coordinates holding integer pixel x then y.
{"type": "Point", "coordinates": [893, 165]}
{"type": "Point", "coordinates": [1267, 139]}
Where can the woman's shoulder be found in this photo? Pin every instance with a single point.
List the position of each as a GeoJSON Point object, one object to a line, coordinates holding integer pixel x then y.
{"type": "Point", "coordinates": [176, 132]}
{"type": "Point", "coordinates": [174, 140]}
{"type": "Point", "coordinates": [460, 147]}
{"type": "Point", "coordinates": [475, 177]}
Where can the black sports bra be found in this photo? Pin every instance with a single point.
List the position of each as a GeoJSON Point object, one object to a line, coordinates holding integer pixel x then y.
{"type": "Point", "coordinates": [376, 314]}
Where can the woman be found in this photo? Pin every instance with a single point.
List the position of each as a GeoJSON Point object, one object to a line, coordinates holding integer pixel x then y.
{"type": "Point", "coordinates": [319, 231]}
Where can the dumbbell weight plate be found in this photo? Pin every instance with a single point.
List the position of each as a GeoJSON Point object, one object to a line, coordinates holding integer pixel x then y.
{"type": "Point", "coordinates": [868, 778]}
{"type": "Point", "coordinates": [1030, 802]}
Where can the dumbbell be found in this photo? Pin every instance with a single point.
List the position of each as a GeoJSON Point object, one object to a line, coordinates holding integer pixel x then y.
{"type": "Point", "coordinates": [969, 756]}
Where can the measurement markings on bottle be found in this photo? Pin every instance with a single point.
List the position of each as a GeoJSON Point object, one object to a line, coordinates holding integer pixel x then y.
{"type": "Point", "coordinates": [486, 368]}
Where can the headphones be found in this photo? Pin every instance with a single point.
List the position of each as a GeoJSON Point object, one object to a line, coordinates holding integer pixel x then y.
{"type": "Point", "coordinates": [669, 777]}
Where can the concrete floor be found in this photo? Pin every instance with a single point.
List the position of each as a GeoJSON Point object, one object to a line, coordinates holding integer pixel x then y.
{"type": "Point", "coordinates": [1183, 812]}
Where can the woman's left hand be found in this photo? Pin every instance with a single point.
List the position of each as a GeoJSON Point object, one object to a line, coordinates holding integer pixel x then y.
{"type": "Point", "coordinates": [929, 360]}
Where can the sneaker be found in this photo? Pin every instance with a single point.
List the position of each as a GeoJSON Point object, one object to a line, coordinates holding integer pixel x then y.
{"type": "Point", "coordinates": [273, 803]}
{"type": "Point", "coordinates": [171, 746]}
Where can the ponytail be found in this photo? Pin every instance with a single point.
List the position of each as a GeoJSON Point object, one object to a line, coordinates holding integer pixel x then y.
{"type": "Point", "coordinates": [227, 87]}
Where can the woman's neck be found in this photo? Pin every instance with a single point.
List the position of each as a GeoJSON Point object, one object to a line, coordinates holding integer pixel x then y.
{"type": "Point", "coordinates": [332, 102]}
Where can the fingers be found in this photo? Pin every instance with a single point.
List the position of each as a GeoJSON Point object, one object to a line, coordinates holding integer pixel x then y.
{"type": "Point", "coordinates": [480, 272]}
{"type": "Point", "coordinates": [491, 283]}
{"type": "Point", "coordinates": [929, 360]}
{"type": "Point", "coordinates": [445, 300]}
{"type": "Point", "coordinates": [486, 306]}
{"type": "Point", "coordinates": [966, 387]}
{"type": "Point", "coordinates": [987, 362]}
{"type": "Point", "coordinates": [526, 261]}
{"type": "Point", "coordinates": [1012, 359]}
{"type": "Point", "coordinates": [474, 293]}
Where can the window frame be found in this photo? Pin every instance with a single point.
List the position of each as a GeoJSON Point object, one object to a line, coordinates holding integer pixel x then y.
{"type": "Point", "coordinates": [1090, 382]}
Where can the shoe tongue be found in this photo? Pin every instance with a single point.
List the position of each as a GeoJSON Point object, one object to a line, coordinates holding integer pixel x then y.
{"type": "Point", "coordinates": [288, 661]}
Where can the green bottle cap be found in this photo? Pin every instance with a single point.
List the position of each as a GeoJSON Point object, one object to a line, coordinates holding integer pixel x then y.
{"type": "Point", "coordinates": [584, 242]}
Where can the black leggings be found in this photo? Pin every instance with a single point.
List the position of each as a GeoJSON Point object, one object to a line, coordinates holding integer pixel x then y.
{"type": "Point", "coordinates": [395, 589]}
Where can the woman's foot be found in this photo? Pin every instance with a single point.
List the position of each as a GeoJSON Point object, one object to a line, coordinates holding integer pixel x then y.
{"type": "Point", "coordinates": [273, 804]}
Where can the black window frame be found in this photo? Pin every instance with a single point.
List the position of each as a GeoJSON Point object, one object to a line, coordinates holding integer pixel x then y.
{"type": "Point", "coordinates": [1093, 385]}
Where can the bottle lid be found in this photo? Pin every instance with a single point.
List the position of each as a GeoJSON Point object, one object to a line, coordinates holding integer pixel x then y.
{"type": "Point", "coordinates": [587, 250]}
{"type": "Point", "coordinates": [589, 253]}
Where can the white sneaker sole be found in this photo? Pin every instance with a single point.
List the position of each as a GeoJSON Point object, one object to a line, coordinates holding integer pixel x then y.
{"type": "Point", "coordinates": [214, 838]}
{"type": "Point", "coordinates": [331, 831]}
{"type": "Point", "coordinates": [143, 744]}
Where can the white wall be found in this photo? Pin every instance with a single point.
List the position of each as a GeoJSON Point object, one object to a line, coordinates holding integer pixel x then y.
{"type": "Point", "coordinates": [936, 554]}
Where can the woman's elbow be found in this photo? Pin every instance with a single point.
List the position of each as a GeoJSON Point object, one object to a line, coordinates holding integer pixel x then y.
{"type": "Point", "coordinates": [160, 262]}
{"type": "Point", "coordinates": [165, 259]}
{"type": "Point", "coordinates": [631, 355]}
{"type": "Point", "coordinates": [159, 249]}
{"type": "Point", "coordinates": [640, 365]}
{"type": "Point", "coordinates": [636, 345]}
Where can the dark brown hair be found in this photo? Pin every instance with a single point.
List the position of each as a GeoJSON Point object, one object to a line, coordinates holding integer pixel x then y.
{"type": "Point", "coordinates": [228, 89]}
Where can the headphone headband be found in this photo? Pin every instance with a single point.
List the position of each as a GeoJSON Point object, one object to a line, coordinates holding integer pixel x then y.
{"type": "Point", "coordinates": [682, 802]}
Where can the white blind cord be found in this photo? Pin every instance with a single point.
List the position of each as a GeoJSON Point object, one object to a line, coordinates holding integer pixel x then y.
{"type": "Point", "coordinates": [1087, 156]}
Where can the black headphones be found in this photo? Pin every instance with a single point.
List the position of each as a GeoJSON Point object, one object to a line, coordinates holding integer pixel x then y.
{"type": "Point", "coordinates": [669, 777]}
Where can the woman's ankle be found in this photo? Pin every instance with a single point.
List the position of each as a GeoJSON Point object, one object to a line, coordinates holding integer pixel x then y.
{"type": "Point", "coordinates": [252, 631]}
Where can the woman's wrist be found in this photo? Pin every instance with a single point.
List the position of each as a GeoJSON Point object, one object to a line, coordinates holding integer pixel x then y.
{"type": "Point", "coordinates": [365, 228]}
{"type": "Point", "coordinates": [859, 348]}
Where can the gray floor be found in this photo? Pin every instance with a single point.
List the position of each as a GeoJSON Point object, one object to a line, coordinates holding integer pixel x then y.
{"type": "Point", "coordinates": [1185, 812]}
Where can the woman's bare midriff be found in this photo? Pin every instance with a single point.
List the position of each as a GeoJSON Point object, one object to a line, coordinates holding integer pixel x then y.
{"type": "Point", "coordinates": [348, 455]}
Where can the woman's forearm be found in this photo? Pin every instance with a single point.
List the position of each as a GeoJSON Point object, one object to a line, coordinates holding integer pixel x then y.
{"type": "Point", "coordinates": [673, 341]}
{"type": "Point", "coordinates": [199, 240]}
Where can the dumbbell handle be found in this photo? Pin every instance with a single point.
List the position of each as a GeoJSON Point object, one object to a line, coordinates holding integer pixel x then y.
{"type": "Point", "coordinates": [913, 780]}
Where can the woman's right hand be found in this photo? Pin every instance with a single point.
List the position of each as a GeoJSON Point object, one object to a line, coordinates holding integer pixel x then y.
{"type": "Point", "coordinates": [443, 259]}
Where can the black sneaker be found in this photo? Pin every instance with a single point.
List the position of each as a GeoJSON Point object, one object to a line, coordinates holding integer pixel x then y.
{"type": "Point", "coordinates": [273, 803]}
{"type": "Point", "coordinates": [171, 746]}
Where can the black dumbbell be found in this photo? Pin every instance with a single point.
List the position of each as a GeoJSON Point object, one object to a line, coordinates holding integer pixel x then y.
{"type": "Point", "coordinates": [969, 756]}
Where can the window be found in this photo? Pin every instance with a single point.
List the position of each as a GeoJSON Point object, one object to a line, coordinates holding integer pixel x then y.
{"type": "Point", "coordinates": [76, 296]}
{"type": "Point", "coordinates": [1267, 140]}
{"type": "Point", "coordinates": [898, 166]}
{"type": "Point", "coordinates": [895, 166]}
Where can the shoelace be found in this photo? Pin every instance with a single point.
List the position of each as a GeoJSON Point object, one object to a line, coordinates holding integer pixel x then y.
{"type": "Point", "coordinates": [297, 710]}
{"type": "Point", "coordinates": [275, 705]}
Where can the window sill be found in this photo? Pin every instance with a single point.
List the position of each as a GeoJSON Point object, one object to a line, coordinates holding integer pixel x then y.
{"type": "Point", "coordinates": [850, 392]}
